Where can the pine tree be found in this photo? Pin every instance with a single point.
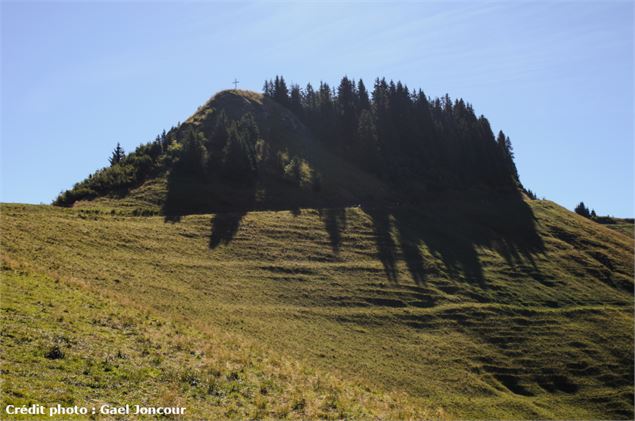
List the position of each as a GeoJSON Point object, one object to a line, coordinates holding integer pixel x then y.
{"type": "Point", "coordinates": [505, 146]}
{"type": "Point", "coordinates": [280, 91]}
{"type": "Point", "coordinates": [192, 156]}
{"type": "Point", "coordinates": [238, 166]}
{"type": "Point", "coordinates": [295, 101]}
{"type": "Point", "coordinates": [582, 210]}
{"type": "Point", "coordinates": [434, 142]}
{"type": "Point", "coordinates": [325, 122]}
{"type": "Point", "coordinates": [363, 102]}
{"type": "Point", "coordinates": [346, 116]}
{"type": "Point", "coordinates": [268, 89]}
{"type": "Point", "coordinates": [118, 154]}
{"type": "Point", "coordinates": [368, 148]}
{"type": "Point", "coordinates": [217, 142]}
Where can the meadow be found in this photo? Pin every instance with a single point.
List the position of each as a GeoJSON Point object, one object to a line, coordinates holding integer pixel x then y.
{"type": "Point", "coordinates": [454, 310]}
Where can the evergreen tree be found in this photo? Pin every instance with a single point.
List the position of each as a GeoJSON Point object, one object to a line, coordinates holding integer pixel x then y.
{"type": "Point", "coordinates": [582, 210]}
{"type": "Point", "coordinates": [192, 157]}
{"type": "Point", "coordinates": [439, 142]}
{"type": "Point", "coordinates": [165, 142]}
{"type": "Point", "coordinates": [346, 124]}
{"type": "Point", "coordinates": [505, 146]}
{"type": "Point", "coordinates": [368, 157]}
{"type": "Point", "coordinates": [295, 101]}
{"type": "Point", "coordinates": [325, 122]}
{"type": "Point", "coordinates": [238, 166]}
{"type": "Point", "coordinates": [217, 142]}
{"type": "Point", "coordinates": [117, 155]}
{"type": "Point", "coordinates": [249, 131]}
{"type": "Point", "coordinates": [280, 91]}
{"type": "Point", "coordinates": [268, 89]}
{"type": "Point", "coordinates": [363, 102]}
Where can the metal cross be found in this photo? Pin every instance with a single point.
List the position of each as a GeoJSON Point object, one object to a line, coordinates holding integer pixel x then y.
{"type": "Point", "coordinates": [235, 82]}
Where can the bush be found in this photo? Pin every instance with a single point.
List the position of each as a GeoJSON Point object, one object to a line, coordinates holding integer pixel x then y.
{"type": "Point", "coordinates": [55, 353]}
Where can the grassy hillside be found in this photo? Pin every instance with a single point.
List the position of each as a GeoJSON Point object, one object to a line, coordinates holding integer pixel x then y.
{"type": "Point", "coordinates": [466, 308]}
{"type": "Point", "coordinates": [622, 225]}
{"type": "Point", "coordinates": [64, 344]}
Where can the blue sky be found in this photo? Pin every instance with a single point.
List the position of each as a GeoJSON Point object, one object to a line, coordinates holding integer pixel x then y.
{"type": "Point", "coordinates": [556, 76]}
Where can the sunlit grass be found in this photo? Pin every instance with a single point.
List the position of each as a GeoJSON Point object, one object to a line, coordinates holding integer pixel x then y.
{"type": "Point", "coordinates": [301, 303]}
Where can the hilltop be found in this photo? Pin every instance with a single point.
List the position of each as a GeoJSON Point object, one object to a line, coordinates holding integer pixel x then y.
{"type": "Point", "coordinates": [291, 149]}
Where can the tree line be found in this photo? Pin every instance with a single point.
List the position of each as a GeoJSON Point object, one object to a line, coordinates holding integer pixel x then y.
{"type": "Point", "coordinates": [402, 135]}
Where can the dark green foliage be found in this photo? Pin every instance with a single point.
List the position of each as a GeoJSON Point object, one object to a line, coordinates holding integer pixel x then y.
{"type": "Point", "coordinates": [217, 142]}
{"type": "Point", "coordinates": [238, 156]}
{"type": "Point", "coordinates": [368, 143]}
{"type": "Point", "coordinates": [581, 209]}
{"type": "Point", "coordinates": [507, 151]}
{"type": "Point", "coordinates": [117, 155]}
{"type": "Point", "coordinates": [277, 89]}
{"type": "Point", "coordinates": [409, 139]}
{"type": "Point", "coordinates": [295, 100]}
{"type": "Point", "coordinates": [192, 156]}
{"type": "Point", "coordinates": [109, 180]}
{"type": "Point", "coordinates": [363, 102]}
{"type": "Point", "coordinates": [346, 123]}
{"type": "Point", "coordinates": [125, 172]}
{"type": "Point", "coordinates": [55, 353]}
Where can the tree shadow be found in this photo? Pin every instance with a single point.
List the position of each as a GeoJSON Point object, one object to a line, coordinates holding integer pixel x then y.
{"type": "Point", "coordinates": [228, 201]}
{"type": "Point", "coordinates": [453, 229]}
{"type": "Point", "coordinates": [224, 228]}
{"type": "Point", "coordinates": [383, 239]}
{"type": "Point", "coordinates": [450, 240]}
{"type": "Point", "coordinates": [410, 242]}
{"type": "Point", "coordinates": [184, 195]}
{"type": "Point", "coordinates": [335, 222]}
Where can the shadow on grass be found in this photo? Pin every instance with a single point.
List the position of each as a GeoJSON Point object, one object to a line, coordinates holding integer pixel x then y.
{"type": "Point", "coordinates": [335, 222]}
{"type": "Point", "coordinates": [453, 230]}
{"type": "Point", "coordinates": [450, 228]}
{"type": "Point", "coordinates": [386, 248]}
{"type": "Point", "coordinates": [224, 228]}
{"type": "Point", "coordinates": [187, 195]}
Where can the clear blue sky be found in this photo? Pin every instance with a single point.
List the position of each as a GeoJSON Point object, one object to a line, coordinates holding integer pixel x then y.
{"type": "Point", "coordinates": [557, 77]}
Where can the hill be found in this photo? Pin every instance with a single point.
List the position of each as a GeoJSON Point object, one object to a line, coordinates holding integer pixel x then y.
{"type": "Point", "coordinates": [291, 149]}
{"type": "Point", "coordinates": [452, 309]}
{"type": "Point", "coordinates": [294, 169]}
{"type": "Point", "coordinates": [327, 253]}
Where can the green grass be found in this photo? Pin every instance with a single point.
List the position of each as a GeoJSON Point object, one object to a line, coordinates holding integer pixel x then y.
{"type": "Point", "coordinates": [117, 354]}
{"type": "Point", "coordinates": [459, 306]}
{"type": "Point", "coordinates": [622, 226]}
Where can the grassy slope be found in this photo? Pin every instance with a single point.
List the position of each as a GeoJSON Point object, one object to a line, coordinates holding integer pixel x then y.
{"type": "Point", "coordinates": [622, 226]}
{"type": "Point", "coordinates": [120, 354]}
{"type": "Point", "coordinates": [423, 302]}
